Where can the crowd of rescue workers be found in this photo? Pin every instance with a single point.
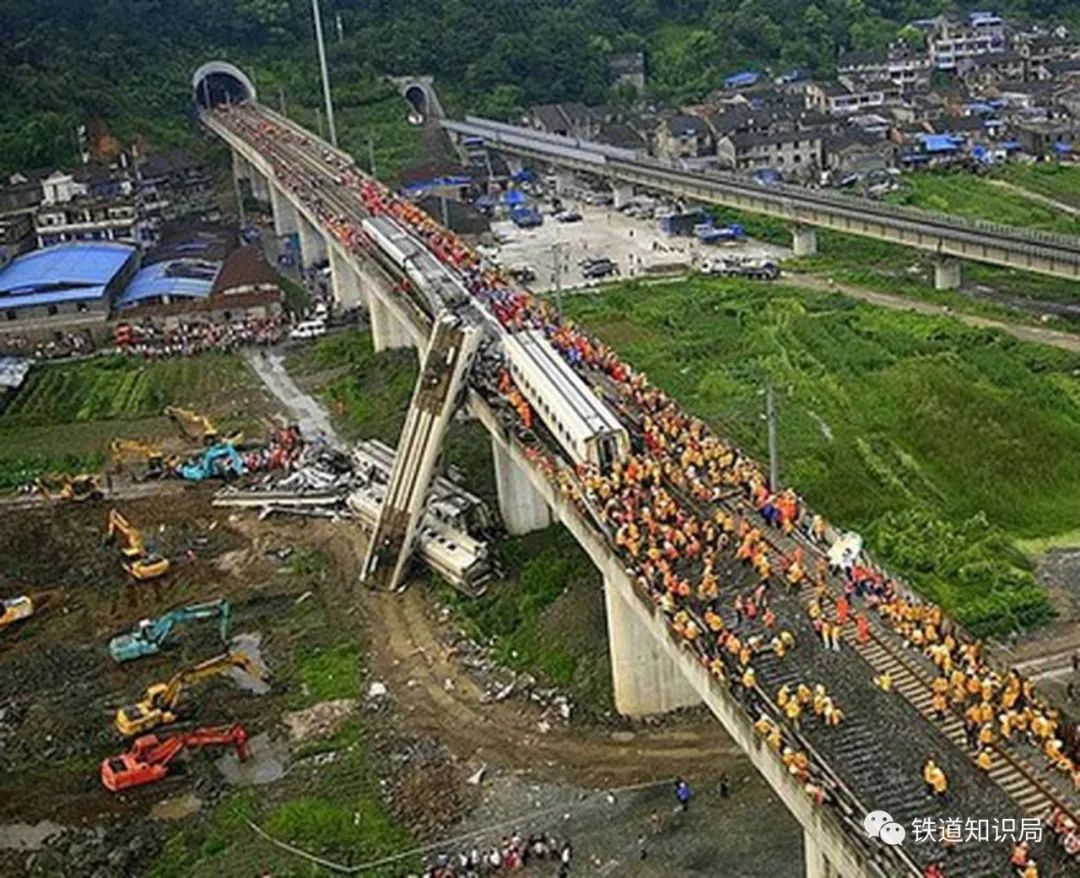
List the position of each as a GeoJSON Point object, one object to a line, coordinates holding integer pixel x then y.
{"type": "Point", "coordinates": [687, 500]}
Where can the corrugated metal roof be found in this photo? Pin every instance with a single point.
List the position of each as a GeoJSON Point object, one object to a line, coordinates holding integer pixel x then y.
{"type": "Point", "coordinates": [63, 273]}
{"type": "Point", "coordinates": [178, 278]}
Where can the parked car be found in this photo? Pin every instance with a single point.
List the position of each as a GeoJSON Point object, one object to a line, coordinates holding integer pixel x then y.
{"type": "Point", "coordinates": [598, 267]}
{"type": "Point", "coordinates": [568, 216]}
{"type": "Point", "coordinates": [523, 274]}
{"type": "Point", "coordinates": [308, 329]}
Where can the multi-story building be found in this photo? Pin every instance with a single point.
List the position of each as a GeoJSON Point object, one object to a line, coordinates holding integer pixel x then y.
{"type": "Point", "coordinates": [792, 153]}
{"type": "Point", "coordinates": [952, 40]}
{"type": "Point", "coordinates": [906, 69]}
{"type": "Point", "coordinates": [841, 99]}
{"type": "Point", "coordinates": [89, 219]}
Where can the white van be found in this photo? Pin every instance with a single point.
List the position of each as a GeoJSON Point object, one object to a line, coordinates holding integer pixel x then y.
{"type": "Point", "coordinates": [308, 329]}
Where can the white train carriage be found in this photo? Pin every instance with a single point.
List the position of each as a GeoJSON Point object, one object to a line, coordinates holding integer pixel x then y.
{"type": "Point", "coordinates": [453, 554]}
{"type": "Point", "coordinates": [447, 501]}
{"type": "Point", "coordinates": [433, 280]}
{"type": "Point", "coordinates": [584, 426]}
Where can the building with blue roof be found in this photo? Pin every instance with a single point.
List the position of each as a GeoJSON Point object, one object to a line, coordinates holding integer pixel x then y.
{"type": "Point", "coordinates": [169, 281]}
{"type": "Point", "coordinates": [75, 282]}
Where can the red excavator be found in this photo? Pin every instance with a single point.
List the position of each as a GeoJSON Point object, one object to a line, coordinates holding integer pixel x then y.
{"type": "Point", "coordinates": [149, 757]}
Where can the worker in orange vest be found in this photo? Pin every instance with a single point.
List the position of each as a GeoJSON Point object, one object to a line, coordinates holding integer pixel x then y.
{"type": "Point", "coordinates": [862, 628]}
{"type": "Point", "coordinates": [843, 608]}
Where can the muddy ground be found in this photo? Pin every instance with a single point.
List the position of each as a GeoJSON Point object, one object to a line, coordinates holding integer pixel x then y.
{"type": "Point", "coordinates": [428, 722]}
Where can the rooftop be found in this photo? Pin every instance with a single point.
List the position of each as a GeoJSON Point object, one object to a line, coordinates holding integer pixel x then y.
{"type": "Point", "coordinates": [179, 278]}
{"type": "Point", "coordinates": [63, 273]}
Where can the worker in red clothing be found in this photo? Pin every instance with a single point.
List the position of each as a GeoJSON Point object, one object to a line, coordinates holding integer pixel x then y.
{"type": "Point", "coordinates": [843, 609]}
{"type": "Point", "coordinates": [862, 629]}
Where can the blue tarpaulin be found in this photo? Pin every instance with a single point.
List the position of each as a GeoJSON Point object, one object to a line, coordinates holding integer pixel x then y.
{"type": "Point", "coordinates": [938, 143]}
{"type": "Point", "coordinates": [523, 176]}
{"type": "Point", "coordinates": [1062, 148]}
{"type": "Point", "coordinates": [514, 196]}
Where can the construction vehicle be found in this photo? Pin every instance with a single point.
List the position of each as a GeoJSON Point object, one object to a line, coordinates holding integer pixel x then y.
{"type": "Point", "coordinates": [121, 451]}
{"type": "Point", "coordinates": [221, 460]}
{"type": "Point", "coordinates": [138, 561]}
{"type": "Point", "coordinates": [149, 635]}
{"type": "Point", "coordinates": [159, 704]}
{"type": "Point", "coordinates": [150, 757]}
{"type": "Point", "coordinates": [15, 609]}
{"type": "Point", "coordinates": [198, 428]}
{"type": "Point", "coordinates": [68, 488]}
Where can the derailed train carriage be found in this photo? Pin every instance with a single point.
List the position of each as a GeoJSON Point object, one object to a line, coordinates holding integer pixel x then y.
{"type": "Point", "coordinates": [577, 418]}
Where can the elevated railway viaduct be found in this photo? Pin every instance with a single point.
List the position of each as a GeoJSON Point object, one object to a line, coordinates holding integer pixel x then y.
{"type": "Point", "coordinates": [949, 239]}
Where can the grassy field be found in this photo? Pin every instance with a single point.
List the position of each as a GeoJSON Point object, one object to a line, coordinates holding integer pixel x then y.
{"type": "Point", "coordinates": [942, 444]}
{"type": "Point", "coordinates": [1060, 182]}
{"type": "Point", "coordinates": [65, 414]}
{"type": "Point", "coordinates": [965, 194]}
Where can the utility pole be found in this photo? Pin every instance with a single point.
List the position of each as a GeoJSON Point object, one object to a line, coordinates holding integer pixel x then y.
{"type": "Point", "coordinates": [556, 257]}
{"type": "Point", "coordinates": [281, 99]}
{"type": "Point", "coordinates": [325, 75]}
{"type": "Point", "coordinates": [770, 417]}
{"type": "Point", "coordinates": [340, 29]}
{"type": "Point", "coordinates": [319, 123]}
{"type": "Point", "coordinates": [371, 156]}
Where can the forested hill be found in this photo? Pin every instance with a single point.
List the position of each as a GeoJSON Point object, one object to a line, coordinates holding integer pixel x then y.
{"type": "Point", "coordinates": [125, 64]}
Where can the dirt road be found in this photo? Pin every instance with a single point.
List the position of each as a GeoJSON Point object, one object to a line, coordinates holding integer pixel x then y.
{"type": "Point", "coordinates": [408, 657]}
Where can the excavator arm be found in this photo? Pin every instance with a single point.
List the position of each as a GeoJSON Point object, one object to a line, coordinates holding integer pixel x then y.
{"type": "Point", "coordinates": [149, 758]}
{"type": "Point", "coordinates": [198, 427]}
{"type": "Point", "coordinates": [161, 699]}
{"type": "Point", "coordinates": [148, 637]}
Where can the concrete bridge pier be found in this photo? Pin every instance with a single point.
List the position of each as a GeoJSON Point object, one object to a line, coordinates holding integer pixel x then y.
{"type": "Point", "coordinates": [286, 217]}
{"type": "Point", "coordinates": [804, 240]}
{"type": "Point", "coordinates": [622, 193]}
{"type": "Point", "coordinates": [522, 507]}
{"type": "Point", "coordinates": [817, 864]}
{"type": "Point", "coordinates": [312, 244]}
{"type": "Point", "coordinates": [946, 273]}
{"type": "Point", "coordinates": [564, 181]}
{"type": "Point", "coordinates": [386, 330]}
{"type": "Point", "coordinates": [260, 187]}
{"type": "Point", "coordinates": [644, 679]}
{"type": "Point", "coordinates": [345, 282]}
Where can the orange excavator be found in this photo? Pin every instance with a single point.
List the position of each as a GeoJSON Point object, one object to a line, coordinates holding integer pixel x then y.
{"type": "Point", "coordinates": [150, 757]}
{"type": "Point", "coordinates": [138, 560]}
{"type": "Point", "coordinates": [197, 427]}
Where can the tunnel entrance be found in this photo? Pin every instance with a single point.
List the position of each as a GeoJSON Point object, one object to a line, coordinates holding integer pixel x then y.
{"type": "Point", "coordinates": [219, 82]}
{"type": "Point", "coordinates": [417, 97]}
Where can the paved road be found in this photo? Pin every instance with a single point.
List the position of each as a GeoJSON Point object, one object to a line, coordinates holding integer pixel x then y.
{"type": "Point", "coordinates": [304, 408]}
{"type": "Point", "coordinates": [1037, 334]}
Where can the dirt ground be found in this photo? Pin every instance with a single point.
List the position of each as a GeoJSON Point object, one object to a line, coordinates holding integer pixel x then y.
{"type": "Point", "coordinates": [431, 727]}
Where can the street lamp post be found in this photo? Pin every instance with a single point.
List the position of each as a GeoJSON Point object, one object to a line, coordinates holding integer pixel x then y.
{"type": "Point", "coordinates": [325, 75]}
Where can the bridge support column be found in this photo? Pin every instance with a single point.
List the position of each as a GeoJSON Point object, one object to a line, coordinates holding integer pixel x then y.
{"type": "Point", "coordinates": [946, 273]}
{"type": "Point", "coordinates": [645, 681]}
{"type": "Point", "coordinates": [817, 864]}
{"type": "Point", "coordinates": [312, 244]}
{"type": "Point", "coordinates": [804, 240]}
{"type": "Point", "coordinates": [260, 187]}
{"type": "Point", "coordinates": [286, 217]}
{"type": "Point", "coordinates": [345, 282]}
{"type": "Point", "coordinates": [622, 193]}
{"type": "Point", "coordinates": [386, 331]}
{"type": "Point", "coordinates": [522, 508]}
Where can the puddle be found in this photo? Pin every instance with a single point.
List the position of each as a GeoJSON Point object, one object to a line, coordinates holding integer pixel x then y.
{"type": "Point", "coordinates": [176, 809]}
{"type": "Point", "coordinates": [265, 764]}
{"type": "Point", "coordinates": [250, 645]}
{"type": "Point", "coordinates": [26, 836]}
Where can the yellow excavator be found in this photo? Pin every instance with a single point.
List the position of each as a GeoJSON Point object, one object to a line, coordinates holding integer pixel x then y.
{"type": "Point", "coordinates": [199, 428]}
{"type": "Point", "coordinates": [124, 451]}
{"type": "Point", "coordinates": [67, 488]}
{"type": "Point", "coordinates": [158, 706]}
{"type": "Point", "coordinates": [138, 561]}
